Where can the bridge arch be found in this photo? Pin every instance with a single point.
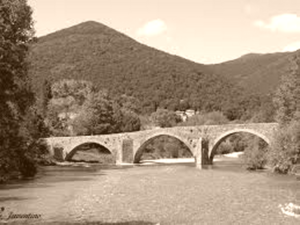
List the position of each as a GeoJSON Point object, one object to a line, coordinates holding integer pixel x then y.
{"type": "Point", "coordinates": [138, 152]}
{"type": "Point", "coordinates": [217, 141]}
{"type": "Point", "coordinates": [74, 148]}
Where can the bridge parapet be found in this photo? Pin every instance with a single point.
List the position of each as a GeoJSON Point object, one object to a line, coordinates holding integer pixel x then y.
{"type": "Point", "coordinates": [125, 146]}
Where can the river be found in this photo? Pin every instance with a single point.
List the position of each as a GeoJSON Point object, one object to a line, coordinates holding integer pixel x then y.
{"type": "Point", "coordinates": [151, 194]}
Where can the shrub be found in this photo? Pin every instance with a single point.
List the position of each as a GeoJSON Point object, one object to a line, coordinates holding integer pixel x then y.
{"type": "Point", "coordinates": [254, 156]}
{"type": "Point", "coordinates": [235, 143]}
{"type": "Point", "coordinates": [42, 153]}
{"type": "Point", "coordinates": [28, 167]}
{"type": "Point", "coordinates": [285, 152]}
{"type": "Point", "coordinates": [165, 118]}
{"type": "Point", "coordinates": [225, 147]}
{"type": "Point", "coordinates": [146, 123]}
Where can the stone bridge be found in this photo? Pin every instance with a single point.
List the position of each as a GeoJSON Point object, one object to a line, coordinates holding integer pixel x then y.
{"type": "Point", "coordinates": [202, 141]}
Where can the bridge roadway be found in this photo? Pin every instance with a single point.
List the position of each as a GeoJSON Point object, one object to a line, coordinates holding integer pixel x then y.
{"type": "Point", "coordinates": [202, 141]}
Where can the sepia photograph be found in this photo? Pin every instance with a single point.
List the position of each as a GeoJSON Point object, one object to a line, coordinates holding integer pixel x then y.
{"type": "Point", "coordinates": [150, 112]}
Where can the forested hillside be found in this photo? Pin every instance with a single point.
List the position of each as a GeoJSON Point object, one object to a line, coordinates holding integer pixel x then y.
{"type": "Point", "coordinates": [93, 52]}
{"type": "Point", "coordinates": [257, 73]}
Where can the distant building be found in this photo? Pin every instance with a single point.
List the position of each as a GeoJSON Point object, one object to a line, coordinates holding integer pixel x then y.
{"type": "Point", "coordinates": [190, 112]}
{"type": "Point", "coordinates": [185, 114]}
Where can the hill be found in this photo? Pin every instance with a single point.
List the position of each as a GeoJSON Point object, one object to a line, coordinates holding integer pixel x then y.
{"type": "Point", "coordinates": [111, 60]}
{"type": "Point", "coordinates": [256, 73]}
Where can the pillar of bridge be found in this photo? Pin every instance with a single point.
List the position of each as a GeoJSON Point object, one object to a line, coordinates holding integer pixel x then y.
{"type": "Point", "coordinates": [125, 154]}
{"type": "Point", "coordinates": [198, 154]}
{"type": "Point", "coordinates": [205, 152]}
{"type": "Point", "coordinates": [201, 154]}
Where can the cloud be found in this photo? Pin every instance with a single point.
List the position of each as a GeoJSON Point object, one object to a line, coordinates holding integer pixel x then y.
{"type": "Point", "coordinates": [287, 23]}
{"type": "Point", "coordinates": [292, 47]}
{"type": "Point", "coordinates": [152, 28]}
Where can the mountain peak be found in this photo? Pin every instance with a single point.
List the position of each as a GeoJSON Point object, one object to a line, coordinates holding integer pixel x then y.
{"type": "Point", "coordinates": [88, 25]}
{"type": "Point", "coordinates": [84, 28]}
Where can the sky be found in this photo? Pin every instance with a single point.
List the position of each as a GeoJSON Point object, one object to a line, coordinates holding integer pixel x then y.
{"type": "Point", "coordinates": [204, 31]}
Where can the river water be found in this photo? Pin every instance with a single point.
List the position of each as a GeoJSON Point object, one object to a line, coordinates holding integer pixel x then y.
{"type": "Point", "coordinates": [151, 194]}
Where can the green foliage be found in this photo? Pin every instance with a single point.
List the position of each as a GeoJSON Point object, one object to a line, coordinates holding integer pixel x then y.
{"type": "Point", "coordinates": [165, 118]}
{"type": "Point", "coordinates": [285, 153]}
{"type": "Point", "coordinates": [33, 126]}
{"type": "Point", "coordinates": [28, 166]}
{"type": "Point", "coordinates": [96, 53]}
{"type": "Point", "coordinates": [77, 89]}
{"type": "Point", "coordinates": [126, 110]}
{"type": "Point", "coordinates": [286, 150]}
{"type": "Point", "coordinates": [93, 153]}
{"type": "Point", "coordinates": [101, 115]}
{"type": "Point", "coordinates": [146, 123]}
{"type": "Point", "coordinates": [255, 154]}
{"type": "Point", "coordinates": [165, 147]}
{"type": "Point", "coordinates": [211, 118]}
{"type": "Point", "coordinates": [225, 147]}
{"type": "Point", "coordinates": [154, 78]}
{"type": "Point", "coordinates": [67, 99]}
{"type": "Point", "coordinates": [255, 149]}
{"type": "Point", "coordinates": [256, 73]}
{"type": "Point", "coordinates": [256, 108]}
{"type": "Point", "coordinates": [96, 116]}
{"type": "Point", "coordinates": [77, 108]}
{"type": "Point", "coordinates": [130, 121]}
{"type": "Point", "coordinates": [46, 96]}
{"type": "Point", "coordinates": [237, 142]}
{"type": "Point", "coordinates": [264, 114]}
{"type": "Point", "coordinates": [16, 97]}
{"type": "Point", "coordinates": [129, 103]}
{"type": "Point", "coordinates": [287, 98]}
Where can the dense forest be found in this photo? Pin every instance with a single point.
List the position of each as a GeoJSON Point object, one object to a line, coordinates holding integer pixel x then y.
{"type": "Point", "coordinates": [256, 73]}
{"type": "Point", "coordinates": [110, 60]}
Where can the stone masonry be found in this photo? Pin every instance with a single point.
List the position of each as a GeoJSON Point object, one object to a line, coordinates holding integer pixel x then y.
{"type": "Point", "coordinates": [127, 147]}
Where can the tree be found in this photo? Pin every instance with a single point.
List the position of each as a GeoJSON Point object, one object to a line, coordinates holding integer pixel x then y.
{"type": "Point", "coordinates": [165, 118]}
{"type": "Point", "coordinates": [96, 116]}
{"type": "Point", "coordinates": [129, 103]}
{"type": "Point", "coordinates": [264, 112]}
{"type": "Point", "coordinates": [255, 153]}
{"type": "Point", "coordinates": [285, 152]}
{"type": "Point", "coordinates": [46, 96]}
{"type": "Point", "coordinates": [67, 100]}
{"type": "Point", "coordinates": [16, 32]}
{"type": "Point", "coordinates": [287, 97]}
{"type": "Point", "coordinates": [126, 110]}
{"type": "Point", "coordinates": [77, 108]}
{"type": "Point", "coordinates": [130, 121]}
